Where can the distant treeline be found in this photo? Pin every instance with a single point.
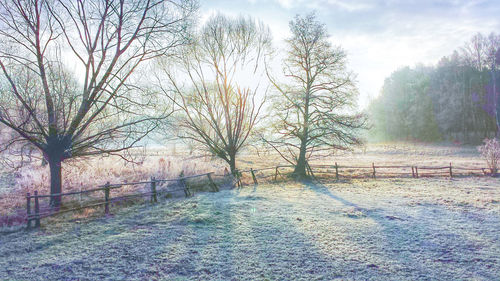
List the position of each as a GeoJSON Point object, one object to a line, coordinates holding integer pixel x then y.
{"type": "Point", "coordinates": [452, 101]}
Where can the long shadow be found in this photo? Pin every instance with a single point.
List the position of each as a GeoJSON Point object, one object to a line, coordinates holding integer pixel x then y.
{"type": "Point", "coordinates": [116, 248]}
{"type": "Point", "coordinates": [186, 245]}
{"type": "Point", "coordinates": [210, 224]}
{"type": "Point", "coordinates": [270, 248]}
{"type": "Point", "coordinates": [279, 251]}
{"type": "Point", "coordinates": [420, 247]}
{"type": "Point", "coordinates": [310, 247]}
{"type": "Point", "coordinates": [210, 240]}
{"type": "Point", "coordinates": [244, 237]}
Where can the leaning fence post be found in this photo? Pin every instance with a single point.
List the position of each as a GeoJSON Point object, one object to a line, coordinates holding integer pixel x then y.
{"type": "Point", "coordinates": [253, 176]}
{"type": "Point", "coordinates": [238, 178]}
{"type": "Point", "coordinates": [28, 209]}
{"type": "Point", "coordinates": [106, 198]}
{"type": "Point", "coordinates": [336, 171]}
{"type": "Point", "coordinates": [153, 190]}
{"type": "Point", "coordinates": [451, 174]}
{"type": "Point", "coordinates": [37, 210]}
{"type": "Point", "coordinates": [183, 185]}
{"type": "Point", "coordinates": [416, 171]}
{"type": "Point", "coordinates": [373, 165]}
{"type": "Point", "coordinates": [212, 183]}
{"type": "Point", "coordinates": [412, 172]}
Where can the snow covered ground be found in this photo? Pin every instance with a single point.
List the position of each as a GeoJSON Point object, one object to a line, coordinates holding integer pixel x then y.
{"type": "Point", "coordinates": [384, 229]}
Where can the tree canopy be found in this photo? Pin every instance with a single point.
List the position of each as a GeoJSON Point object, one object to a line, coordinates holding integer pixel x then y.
{"type": "Point", "coordinates": [456, 100]}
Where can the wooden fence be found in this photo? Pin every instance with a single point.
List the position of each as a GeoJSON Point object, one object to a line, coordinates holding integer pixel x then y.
{"type": "Point", "coordinates": [38, 213]}
{"type": "Point", "coordinates": [375, 171]}
{"type": "Point", "coordinates": [372, 171]}
{"type": "Point", "coordinates": [328, 171]}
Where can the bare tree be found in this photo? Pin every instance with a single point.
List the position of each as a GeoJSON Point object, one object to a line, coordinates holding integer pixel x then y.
{"type": "Point", "coordinates": [69, 86]}
{"type": "Point", "coordinates": [493, 59]}
{"type": "Point", "coordinates": [217, 112]}
{"type": "Point", "coordinates": [483, 53]}
{"type": "Point", "coordinates": [312, 108]}
{"type": "Point", "coordinates": [475, 52]}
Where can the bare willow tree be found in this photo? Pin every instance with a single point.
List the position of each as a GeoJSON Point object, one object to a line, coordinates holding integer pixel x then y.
{"type": "Point", "coordinates": [312, 107]}
{"type": "Point", "coordinates": [217, 112]}
{"type": "Point", "coordinates": [69, 86]}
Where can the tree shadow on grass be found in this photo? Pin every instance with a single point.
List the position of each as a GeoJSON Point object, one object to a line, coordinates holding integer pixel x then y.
{"type": "Point", "coordinates": [243, 241]}
{"type": "Point", "coordinates": [208, 254]}
{"type": "Point", "coordinates": [247, 236]}
{"type": "Point", "coordinates": [134, 245]}
{"type": "Point", "coordinates": [419, 243]}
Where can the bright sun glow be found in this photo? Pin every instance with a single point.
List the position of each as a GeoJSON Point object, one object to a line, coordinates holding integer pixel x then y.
{"type": "Point", "coordinates": [379, 36]}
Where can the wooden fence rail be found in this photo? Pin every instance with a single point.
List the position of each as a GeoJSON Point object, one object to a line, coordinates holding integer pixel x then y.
{"type": "Point", "coordinates": [372, 171]}
{"type": "Point", "coordinates": [367, 171]}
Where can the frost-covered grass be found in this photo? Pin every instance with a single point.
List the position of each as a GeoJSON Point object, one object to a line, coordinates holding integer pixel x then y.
{"type": "Point", "coordinates": [384, 229]}
{"type": "Point", "coordinates": [88, 173]}
{"type": "Point", "coordinates": [382, 154]}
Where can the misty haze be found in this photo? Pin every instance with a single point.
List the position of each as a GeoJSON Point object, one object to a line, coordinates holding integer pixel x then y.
{"type": "Point", "coordinates": [249, 140]}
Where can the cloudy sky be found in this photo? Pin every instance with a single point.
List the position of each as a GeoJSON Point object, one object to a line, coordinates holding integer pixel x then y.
{"type": "Point", "coordinates": [378, 35]}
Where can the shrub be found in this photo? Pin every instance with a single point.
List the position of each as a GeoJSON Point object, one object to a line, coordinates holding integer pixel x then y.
{"type": "Point", "coordinates": [490, 150]}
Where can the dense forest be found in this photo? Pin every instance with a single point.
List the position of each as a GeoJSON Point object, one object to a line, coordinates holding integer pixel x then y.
{"type": "Point", "coordinates": [454, 100]}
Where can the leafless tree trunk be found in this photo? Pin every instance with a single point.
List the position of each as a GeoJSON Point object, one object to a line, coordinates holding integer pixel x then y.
{"type": "Point", "coordinates": [97, 107]}
{"type": "Point", "coordinates": [217, 112]}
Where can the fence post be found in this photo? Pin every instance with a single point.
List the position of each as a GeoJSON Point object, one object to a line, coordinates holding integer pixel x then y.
{"type": "Point", "coordinates": [253, 177]}
{"type": "Point", "coordinates": [311, 171]}
{"type": "Point", "coordinates": [451, 173]}
{"type": "Point", "coordinates": [106, 198]}
{"type": "Point", "coordinates": [336, 171]}
{"type": "Point", "coordinates": [276, 173]}
{"type": "Point", "coordinates": [183, 185]}
{"type": "Point", "coordinates": [37, 210]}
{"type": "Point", "coordinates": [238, 178]}
{"type": "Point", "coordinates": [412, 172]}
{"type": "Point", "coordinates": [373, 165]}
{"type": "Point", "coordinates": [153, 190]}
{"type": "Point", "coordinates": [28, 209]}
{"type": "Point", "coordinates": [416, 171]}
{"type": "Point", "coordinates": [212, 183]}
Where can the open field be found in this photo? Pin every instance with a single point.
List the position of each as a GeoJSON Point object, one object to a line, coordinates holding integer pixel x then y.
{"type": "Point", "coordinates": [368, 229]}
{"type": "Point", "coordinates": [391, 229]}
{"type": "Point", "coordinates": [382, 153]}
{"type": "Point", "coordinates": [204, 140]}
{"type": "Point", "coordinates": [171, 161]}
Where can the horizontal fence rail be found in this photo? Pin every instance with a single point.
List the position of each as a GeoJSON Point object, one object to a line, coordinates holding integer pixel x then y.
{"type": "Point", "coordinates": [34, 213]}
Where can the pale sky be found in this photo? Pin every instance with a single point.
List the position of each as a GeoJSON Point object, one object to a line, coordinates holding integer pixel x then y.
{"type": "Point", "coordinates": [379, 35]}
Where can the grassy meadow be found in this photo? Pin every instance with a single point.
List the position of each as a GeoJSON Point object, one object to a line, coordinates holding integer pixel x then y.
{"type": "Point", "coordinates": [390, 229]}
{"type": "Point", "coordinates": [352, 229]}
